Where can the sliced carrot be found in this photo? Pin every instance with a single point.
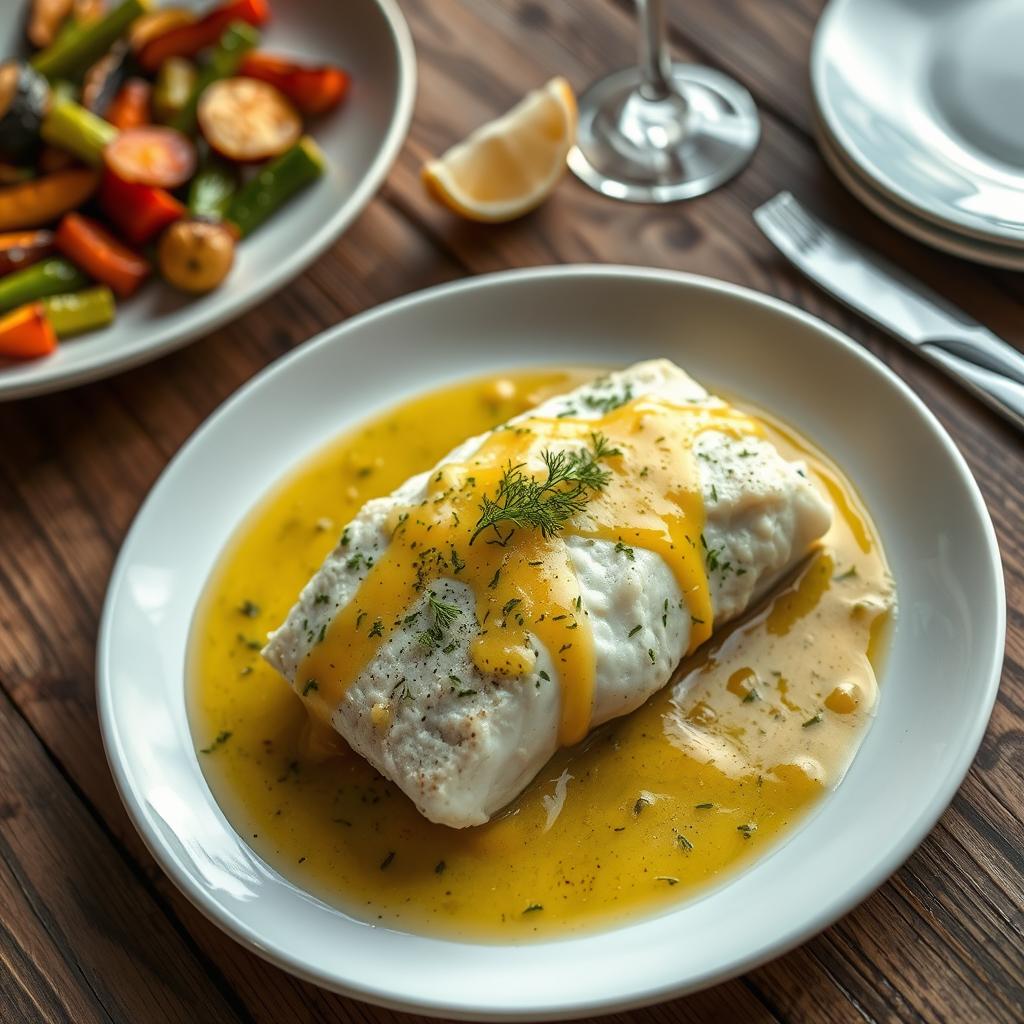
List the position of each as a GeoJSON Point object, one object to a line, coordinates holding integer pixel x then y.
{"type": "Point", "coordinates": [188, 39]}
{"type": "Point", "coordinates": [130, 107]}
{"type": "Point", "coordinates": [25, 333]}
{"type": "Point", "coordinates": [35, 203]}
{"type": "Point", "coordinates": [153, 155]}
{"type": "Point", "coordinates": [139, 212]}
{"type": "Point", "coordinates": [92, 248]}
{"type": "Point", "coordinates": [313, 89]}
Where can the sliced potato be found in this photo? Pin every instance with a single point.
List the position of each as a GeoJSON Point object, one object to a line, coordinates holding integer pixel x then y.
{"type": "Point", "coordinates": [247, 120]}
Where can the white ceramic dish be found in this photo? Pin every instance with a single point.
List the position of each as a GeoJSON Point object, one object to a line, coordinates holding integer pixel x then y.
{"type": "Point", "coordinates": [988, 253]}
{"type": "Point", "coordinates": [360, 141]}
{"type": "Point", "coordinates": [924, 99]}
{"type": "Point", "coordinates": [938, 688]}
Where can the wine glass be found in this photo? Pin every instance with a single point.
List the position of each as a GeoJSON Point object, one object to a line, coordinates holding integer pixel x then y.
{"type": "Point", "coordinates": [660, 132]}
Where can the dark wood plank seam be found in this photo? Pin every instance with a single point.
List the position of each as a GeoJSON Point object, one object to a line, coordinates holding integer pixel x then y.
{"type": "Point", "coordinates": [898, 898]}
{"type": "Point", "coordinates": [27, 969]}
{"type": "Point", "coordinates": [920, 901]}
{"type": "Point", "coordinates": [33, 901]}
{"type": "Point", "coordinates": [204, 961]}
{"type": "Point", "coordinates": [1012, 921]}
{"type": "Point", "coordinates": [984, 828]}
{"type": "Point", "coordinates": [750, 981]}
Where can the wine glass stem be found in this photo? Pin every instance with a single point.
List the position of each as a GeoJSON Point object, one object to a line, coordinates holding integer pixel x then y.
{"type": "Point", "coordinates": [655, 67]}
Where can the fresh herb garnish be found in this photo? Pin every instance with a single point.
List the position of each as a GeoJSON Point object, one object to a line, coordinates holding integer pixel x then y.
{"type": "Point", "coordinates": [703, 807]}
{"type": "Point", "coordinates": [812, 721]}
{"type": "Point", "coordinates": [222, 738]}
{"type": "Point", "coordinates": [443, 615]}
{"type": "Point", "coordinates": [311, 684]}
{"type": "Point", "coordinates": [386, 862]}
{"type": "Point", "coordinates": [624, 549]}
{"type": "Point", "coordinates": [748, 829]}
{"type": "Point", "coordinates": [547, 504]}
{"type": "Point", "coordinates": [533, 908]}
{"type": "Point", "coordinates": [683, 843]}
{"type": "Point", "coordinates": [249, 609]}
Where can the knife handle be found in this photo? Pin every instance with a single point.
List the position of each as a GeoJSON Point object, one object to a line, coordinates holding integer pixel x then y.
{"type": "Point", "coordinates": [1003, 394]}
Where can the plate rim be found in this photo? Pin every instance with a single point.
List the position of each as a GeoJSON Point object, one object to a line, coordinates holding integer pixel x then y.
{"type": "Point", "coordinates": [284, 271]}
{"type": "Point", "coordinates": [957, 221]}
{"type": "Point", "coordinates": [908, 222]}
{"type": "Point", "coordinates": [911, 839]}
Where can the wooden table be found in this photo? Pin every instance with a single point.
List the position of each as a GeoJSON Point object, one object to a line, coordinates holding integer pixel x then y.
{"type": "Point", "coordinates": [91, 930]}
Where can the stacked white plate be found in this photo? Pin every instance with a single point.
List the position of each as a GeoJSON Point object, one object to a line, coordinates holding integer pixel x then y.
{"type": "Point", "coordinates": [920, 113]}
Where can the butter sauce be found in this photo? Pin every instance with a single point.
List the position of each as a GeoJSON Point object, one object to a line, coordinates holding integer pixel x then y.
{"type": "Point", "coordinates": [644, 812]}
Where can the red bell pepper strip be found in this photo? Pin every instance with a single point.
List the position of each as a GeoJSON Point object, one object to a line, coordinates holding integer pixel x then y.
{"type": "Point", "coordinates": [313, 89]}
{"type": "Point", "coordinates": [188, 40]}
{"type": "Point", "coordinates": [91, 247]}
{"type": "Point", "coordinates": [139, 212]}
{"type": "Point", "coordinates": [25, 333]}
{"type": "Point", "coordinates": [130, 107]}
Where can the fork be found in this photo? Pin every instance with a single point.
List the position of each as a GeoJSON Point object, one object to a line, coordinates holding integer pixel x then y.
{"type": "Point", "coordinates": [891, 299]}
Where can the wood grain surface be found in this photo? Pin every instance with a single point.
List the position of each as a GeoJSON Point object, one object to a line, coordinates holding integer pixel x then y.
{"type": "Point", "coordinates": [91, 930]}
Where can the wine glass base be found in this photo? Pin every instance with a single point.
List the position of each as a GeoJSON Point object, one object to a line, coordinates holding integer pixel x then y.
{"type": "Point", "coordinates": [659, 151]}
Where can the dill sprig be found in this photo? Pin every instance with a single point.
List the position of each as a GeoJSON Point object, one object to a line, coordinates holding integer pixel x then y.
{"type": "Point", "coordinates": [547, 504]}
{"type": "Point", "coordinates": [443, 615]}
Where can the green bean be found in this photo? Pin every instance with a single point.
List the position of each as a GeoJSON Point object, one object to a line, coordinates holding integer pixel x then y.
{"type": "Point", "coordinates": [275, 184]}
{"type": "Point", "coordinates": [50, 277]}
{"type": "Point", "coordinates": [79, 47]}
{"type": "Point", "coordinates": [80, 311]}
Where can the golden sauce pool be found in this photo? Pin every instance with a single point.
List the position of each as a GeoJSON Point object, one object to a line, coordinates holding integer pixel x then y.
{"type": "Point", "coordinates": [646, 811]}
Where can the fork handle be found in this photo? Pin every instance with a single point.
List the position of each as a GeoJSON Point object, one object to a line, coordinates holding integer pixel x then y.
{"type": "Point", "coordinates": [1004, 395]}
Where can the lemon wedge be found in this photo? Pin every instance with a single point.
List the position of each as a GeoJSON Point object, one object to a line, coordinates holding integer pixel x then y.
{"type": "Point", "coordinates": [508, 166]}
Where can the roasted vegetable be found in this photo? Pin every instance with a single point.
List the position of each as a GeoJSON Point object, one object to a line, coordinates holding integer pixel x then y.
{"type": "Point", "coordinates": [187, 40]}
{"type": "Point", "coordinates": [237, 40]}
{"type": "Point", "coordinates": [35, 203]}
{"type": "Point", "coordinates": [24, 97]}
{"type": "Point", "coordinates": [84, 43]}
{"type": "Point", "coordinates": [313, 90]}
{"type": "Point", "coordinates": [104, 78]}
{"type": "Point", "coordinates": [247, 120]}
{"type": "Point", "coordinates": [211, 190]}
{"type": "Point", "coordinates": [45, 18]}
{"type": "Point", "coordinates": [26, 333]}
{"type": "Point", "coordinates": [130, 107]}
{"type": "Point", "coordinates": [139, 212]}
{"type": "Point", "coordinates": [51, 277]}
{"type": "Point", "coordinates": [90, 246]}
{"type": "Point", "coordinates": [152, 156]}
{"type": "Point", "coordinates": [174, 84]}
{"type": "Point", "coordinates": [20, 249]}
{"type": "Point", "coordinates": [69, 126]}
{"type": "Point", "coordinates": [275, 184]}
{"type": "Point", "coordinates": [152, 24]}
{"type": "Point", "coordinates": [196, 255]}
{"type": "Point", "coordinates": [80, 311]}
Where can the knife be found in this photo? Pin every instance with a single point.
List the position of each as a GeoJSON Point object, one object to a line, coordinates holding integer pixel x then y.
{"type": "Point", "coordinates": [891, 299]}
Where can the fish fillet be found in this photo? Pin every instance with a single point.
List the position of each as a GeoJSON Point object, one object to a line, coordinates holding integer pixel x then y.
{"type": "Point", "coordinates": [461, 754]}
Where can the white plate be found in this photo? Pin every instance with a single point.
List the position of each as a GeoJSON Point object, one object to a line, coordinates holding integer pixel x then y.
{"type": "Point", "coordinates": [924, 97]}
{"type": "Point", "coordinates": [989, 253]}
{"type": "Point", "coordinates": [360, 141]}
{"type": "Point", "coordinates": [937, 692]}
